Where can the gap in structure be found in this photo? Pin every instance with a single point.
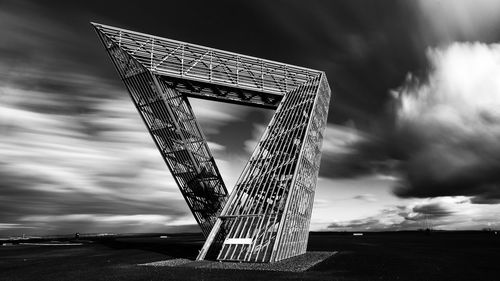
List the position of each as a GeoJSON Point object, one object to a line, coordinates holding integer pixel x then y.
{"type": "Point", "coordinates": [232, 132]}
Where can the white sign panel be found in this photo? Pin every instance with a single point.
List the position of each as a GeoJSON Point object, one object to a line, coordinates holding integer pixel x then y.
{"type": "Point", "coordinates": [238, 241]}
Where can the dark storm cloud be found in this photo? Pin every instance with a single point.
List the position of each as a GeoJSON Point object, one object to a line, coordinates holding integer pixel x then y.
{"type": "Point", "coordinates": [488, 198]}
{"type": "Point", "coordinates": [432, 209]}
{"type": "Point", "coordinates": [443, 137]}
{"type": "Point", "coordinates": [361, 158]}
{"type": "Point", "coordinates": [349, 152]}
{"type": "Point", "coordinates": [365, 48]}
{"type": "Point", "coordinates": [454, 117]}
{"type": "Point", "coordinates": [454, 170]}
{"type": "Point", "coordinates": [439, 135]}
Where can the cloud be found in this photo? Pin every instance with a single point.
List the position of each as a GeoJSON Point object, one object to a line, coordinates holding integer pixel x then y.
{"type": "Point", "coordinates": [213, 116]}
{"type": "Point", "coordinates": [454, 124]}
{"type": "Point", "coordinates": [453, 20]}
{"type": "Point", "coordinates": [82, 222]}
{"type": "Point", "coordinates": [257, 133]}
{"type": "Point", "coordinates": [486, 199]}
{"type": "Point", "coordinates": [388, 219]}
{"type": "Point", "coordinates": [366, 224]}
{"type": "Point", "coordinates": [348, 152]}
{"type": "Point", "coordinates": [368, 197]}
{"type": "Point", "coordinates": [339, 159]}
{"type": "Point", "coordinates": [12, 226]}
{"type": "Point", "coordinates": [72, 143]}
{"type": "Point", "coordinates": [424, 211]}
{"type": "Point", "coordinates": [451, 213]}
{"type": "Point", "coordinates": [74, 150]}
{"type": "Point", "coordinates": [442, 139]}
{"type": "Point", "coordinates": [135, 219]}
{"type": "Point", "coordinates": [101, 161]}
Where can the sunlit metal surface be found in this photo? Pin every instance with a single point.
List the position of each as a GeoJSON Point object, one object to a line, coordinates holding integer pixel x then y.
{"type": "Point", "coordinates": [267, 216]}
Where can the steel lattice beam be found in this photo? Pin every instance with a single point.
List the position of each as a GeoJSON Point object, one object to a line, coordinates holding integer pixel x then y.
{"type": "Point", "coordinates": [173, 126]}
{"type": "Point", "coordinates": [267, 216]}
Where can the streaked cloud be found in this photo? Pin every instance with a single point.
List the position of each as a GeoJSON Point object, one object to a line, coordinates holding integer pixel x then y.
{"type": "Point", "coordinates": [95, 222]}
{"type": "Point", "coordinates": [76, 157]}
{"type": "Point", "coordinates": [75, 152]}
{"type": "Point", "coordinates": [452, 213]}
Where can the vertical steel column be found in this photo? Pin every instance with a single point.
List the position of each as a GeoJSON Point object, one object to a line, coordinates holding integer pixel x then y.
{"type": "Point", "coordinates": [267, 215]}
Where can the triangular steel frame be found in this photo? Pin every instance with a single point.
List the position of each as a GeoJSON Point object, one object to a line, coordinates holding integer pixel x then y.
{"type": "Point", "coordinates": [266, 218]}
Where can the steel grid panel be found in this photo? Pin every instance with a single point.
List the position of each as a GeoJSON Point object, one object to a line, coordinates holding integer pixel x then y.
{"type": "Point", "coordinates": [267, 216]}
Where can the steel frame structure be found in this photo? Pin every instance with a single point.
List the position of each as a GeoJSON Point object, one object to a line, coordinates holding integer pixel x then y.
{"type": "Point", "coordinates": [266, 218]}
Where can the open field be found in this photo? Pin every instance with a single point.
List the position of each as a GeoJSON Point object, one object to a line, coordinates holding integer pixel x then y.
{"type": "Point", "coordinates": [373, 256]}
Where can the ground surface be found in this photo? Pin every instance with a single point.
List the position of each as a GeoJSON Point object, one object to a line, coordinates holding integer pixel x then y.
{"type": "Point", "coordinates": [299, 263]}
{"type": "Point", "coordinates": [399, 256]}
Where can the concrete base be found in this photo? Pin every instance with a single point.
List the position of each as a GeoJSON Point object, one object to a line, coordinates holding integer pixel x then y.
{"type": "Point", "coordinates": [295, 264]}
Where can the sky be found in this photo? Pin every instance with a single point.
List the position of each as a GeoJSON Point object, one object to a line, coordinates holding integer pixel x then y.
{"type": "Point", "coordinates": [411, 140]}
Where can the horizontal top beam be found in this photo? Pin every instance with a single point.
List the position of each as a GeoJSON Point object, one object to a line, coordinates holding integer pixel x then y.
{"type": "Point", "coordinates": [193, 62]}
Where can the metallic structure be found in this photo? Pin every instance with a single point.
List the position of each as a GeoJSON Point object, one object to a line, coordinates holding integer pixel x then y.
{"type": "Point", "coordinates": [266, 217]}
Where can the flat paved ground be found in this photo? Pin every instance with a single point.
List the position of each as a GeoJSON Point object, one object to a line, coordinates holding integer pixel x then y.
{"type": "Point", "coordinates": [373, 256]}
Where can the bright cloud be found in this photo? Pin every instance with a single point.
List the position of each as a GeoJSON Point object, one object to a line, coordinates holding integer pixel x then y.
{"type": "Point", "coordinates": [452, 122]}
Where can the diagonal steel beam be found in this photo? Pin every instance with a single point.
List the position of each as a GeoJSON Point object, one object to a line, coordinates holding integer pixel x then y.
{"type": "Point", "coordinates": [173, 126]}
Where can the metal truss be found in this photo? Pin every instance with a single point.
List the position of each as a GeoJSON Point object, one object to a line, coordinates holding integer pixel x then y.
{"type": "Point", "coordinates": [210, 73]}
{"type": "Point", "coordinates": [267, 216]}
